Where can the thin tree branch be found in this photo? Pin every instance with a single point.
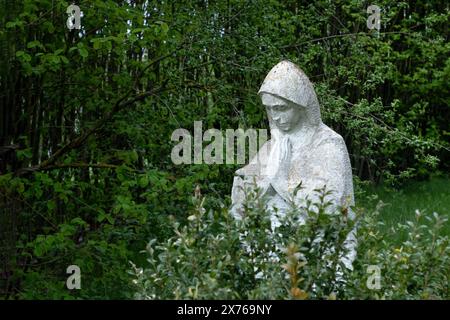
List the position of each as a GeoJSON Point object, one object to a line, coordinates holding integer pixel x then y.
{"type": "Point", "coordinates": [81, 165]}
{"type": "Point", "coordinates": [339, 36]}
{"type": "Point", "coordinates": [78, 141]}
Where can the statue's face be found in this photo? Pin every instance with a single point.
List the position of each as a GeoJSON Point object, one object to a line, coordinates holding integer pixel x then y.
{"type": "Point", "coordinates": [285, 115]}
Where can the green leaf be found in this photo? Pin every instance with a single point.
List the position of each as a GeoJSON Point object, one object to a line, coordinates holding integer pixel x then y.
{"type": "Point", "coordinates": [143, 181]}
{"type": "Point", "coordinates": [49, 26]}
{"type": "Point", "coordinates": [83, 52]}
{"type": "Point", "coordinates": [165, 28]}
{"type": "Point", "coordinates": [34, 44]}
{"type": "Point", "coordinates": [10, 24]}
{"type": "Point", "coordinates": [96, 43]}
{"type": "Point", "coordinates": [101, 217]}
{"type": "Point", "coordinates": [64, 60]}
{"type": "Point", "coordinates": [110, 219]}
{"type": "Point", "coordinates": [51, 205]}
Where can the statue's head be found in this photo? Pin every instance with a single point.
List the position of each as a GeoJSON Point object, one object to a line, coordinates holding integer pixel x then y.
{"type": "Point", "coordinates": [285, 115]}
{"type": "Point", "coordinates": [289, 98]}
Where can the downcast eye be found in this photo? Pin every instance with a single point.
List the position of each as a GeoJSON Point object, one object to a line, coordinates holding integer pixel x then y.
{"type": "Point", "coordinates": [281, 108]}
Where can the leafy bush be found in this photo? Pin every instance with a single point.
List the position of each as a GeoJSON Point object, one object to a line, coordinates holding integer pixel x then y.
{"type": "Point", "coordinates": [214, 256]}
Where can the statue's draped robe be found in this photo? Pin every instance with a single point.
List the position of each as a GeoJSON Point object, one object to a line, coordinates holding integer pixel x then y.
{"type": "Point", "coordinates": [322, 162]}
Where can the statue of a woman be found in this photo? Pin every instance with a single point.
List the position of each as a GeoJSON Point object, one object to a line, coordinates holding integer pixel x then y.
{"type": "Point", "coordinates": [302, 149]}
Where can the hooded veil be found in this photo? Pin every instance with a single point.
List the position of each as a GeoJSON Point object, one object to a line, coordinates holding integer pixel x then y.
{"type": "Point", "coordinates": [289, 82]}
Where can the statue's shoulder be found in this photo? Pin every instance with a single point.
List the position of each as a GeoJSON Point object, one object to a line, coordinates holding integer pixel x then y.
{"type": "Point", "coordinates": [327, 136]}
{"type": "Point", "coordinates": [329, 147]}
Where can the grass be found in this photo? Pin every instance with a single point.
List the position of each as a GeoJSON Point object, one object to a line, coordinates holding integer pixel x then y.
{"type": "Point", "coordinates": [427, 196]}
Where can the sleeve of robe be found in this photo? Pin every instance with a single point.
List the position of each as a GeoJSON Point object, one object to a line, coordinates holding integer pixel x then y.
{"type": "Point", "coordinates": [330, 166]}
{"type": "Point", "coordinates": [248, 176]}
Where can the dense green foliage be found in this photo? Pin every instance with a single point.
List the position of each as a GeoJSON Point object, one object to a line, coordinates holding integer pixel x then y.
{"type": "Point", "coordinates": [218, 257]}
{"type": "Point", "coordinates": [86, 116]}
{"type": "Point", "coordinates": [399, 204]}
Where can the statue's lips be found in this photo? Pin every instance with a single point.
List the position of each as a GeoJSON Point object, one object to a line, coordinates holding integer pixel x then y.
{"type": "Point", "coordinates": [282, 125]}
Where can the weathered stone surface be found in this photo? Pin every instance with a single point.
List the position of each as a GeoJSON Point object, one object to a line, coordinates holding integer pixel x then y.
{"type": "Point", "coordinates": [302, 148]}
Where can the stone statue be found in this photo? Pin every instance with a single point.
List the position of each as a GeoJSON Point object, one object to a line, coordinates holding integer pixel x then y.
{"type": "Point", "coordinates": [302, 149]}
